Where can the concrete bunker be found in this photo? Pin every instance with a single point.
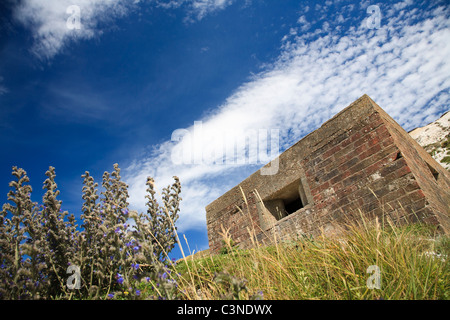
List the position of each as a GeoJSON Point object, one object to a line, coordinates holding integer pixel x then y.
{"type": "Point", "coordinates": [359, 161]}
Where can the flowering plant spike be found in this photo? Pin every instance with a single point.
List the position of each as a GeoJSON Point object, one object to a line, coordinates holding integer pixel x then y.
{"type": "Point", "coordinates": [114, 249]}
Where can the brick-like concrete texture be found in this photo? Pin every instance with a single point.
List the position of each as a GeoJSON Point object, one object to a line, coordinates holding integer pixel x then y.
{"type": "Point", "coordinates": [359, 163]}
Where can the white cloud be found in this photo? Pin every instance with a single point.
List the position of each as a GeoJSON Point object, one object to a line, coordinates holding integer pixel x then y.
{"type": "Point", "coordinates": [203, 7]}
{"type": "Point", "coordinates": [402, 66]}
{"type": "Point", "coordinates": [48, 19]}
{"type": "Point", "coordinates": [197, 9]}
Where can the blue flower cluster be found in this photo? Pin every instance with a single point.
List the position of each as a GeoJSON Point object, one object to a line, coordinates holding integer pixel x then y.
{"type": "Point", "coordinates": [119, 278]}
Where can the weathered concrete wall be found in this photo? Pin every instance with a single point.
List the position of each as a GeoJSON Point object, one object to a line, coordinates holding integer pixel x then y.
{"type": "Point", "coordinates": [358, 162]}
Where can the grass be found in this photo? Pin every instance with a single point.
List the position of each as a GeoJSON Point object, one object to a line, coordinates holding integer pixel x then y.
{"type": "Point", "coordinates": [446, 159]}
{"type": "Point", "coordinates": [412, 260]}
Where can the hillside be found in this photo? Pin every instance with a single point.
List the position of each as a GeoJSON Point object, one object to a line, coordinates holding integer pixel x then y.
{"type": "Point", "coordinates": [435, 139]}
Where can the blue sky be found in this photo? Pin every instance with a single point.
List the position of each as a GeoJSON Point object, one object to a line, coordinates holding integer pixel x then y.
{"type": "Point", "coordinates": [117, 88]}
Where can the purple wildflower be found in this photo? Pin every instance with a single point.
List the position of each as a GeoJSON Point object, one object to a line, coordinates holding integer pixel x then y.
{"type": "Point", "coordinates": [119, 278]}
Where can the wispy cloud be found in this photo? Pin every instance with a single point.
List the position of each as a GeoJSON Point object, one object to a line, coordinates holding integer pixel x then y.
{"type": "Point", "coordinates": [201, 8]}
{"type": "Point", "coordinates": [4, 121]}
{"type": "Point", "coordinates": [68, 105]}
{"type": "Point", "coordinates": [3, 89]}
{"type": "Point", "coordinates": [50, 21]}
{"type": "Point", "coordinates": [403, 66]}
{"type": "Point", "coordinates": [196, 8]}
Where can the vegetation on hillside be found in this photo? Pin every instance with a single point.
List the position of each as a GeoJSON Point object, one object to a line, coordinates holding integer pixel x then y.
{"type": "Point", "coordinates": [117, 253]}
{"type": "Point", "coordinates": [409, 262]}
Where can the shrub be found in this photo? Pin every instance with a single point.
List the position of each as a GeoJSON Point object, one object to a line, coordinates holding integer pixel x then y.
{"type": "Point", "coordinates": [115, 250]}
